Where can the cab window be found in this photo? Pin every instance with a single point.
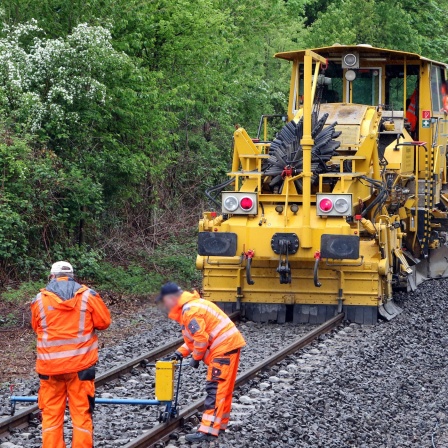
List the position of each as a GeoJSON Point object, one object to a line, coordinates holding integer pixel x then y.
{"type": "Point", "coordinates": [366, 87]}
{"type": "Point", "coordinates": [332, 90]}
{"type": "Point", "coordinates": [395, 96]}
{"type": "Point", "coordinates": [438, 86]}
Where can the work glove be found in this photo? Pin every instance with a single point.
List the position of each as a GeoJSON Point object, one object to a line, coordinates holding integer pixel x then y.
{"type": "Point", "coordinates": [194, 363]}
{"type": "Point", "coordinates": [176, 356]}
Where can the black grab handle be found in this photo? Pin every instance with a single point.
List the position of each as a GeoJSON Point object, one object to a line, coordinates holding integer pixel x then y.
{"type": "Point", "coordinates": [317, 283]}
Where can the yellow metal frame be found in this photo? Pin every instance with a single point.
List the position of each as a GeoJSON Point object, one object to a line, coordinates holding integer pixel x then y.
{"type": "Point", "coordinates": [365, 282]}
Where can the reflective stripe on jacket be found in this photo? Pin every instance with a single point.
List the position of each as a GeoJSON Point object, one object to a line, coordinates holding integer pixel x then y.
{"type": "Point", "coordinates": [65, 328]}
{"type": "Point", "coordinates": [206, 329]}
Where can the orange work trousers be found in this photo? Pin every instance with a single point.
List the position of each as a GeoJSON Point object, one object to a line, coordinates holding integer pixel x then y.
{"type": "Point", "coordinates": [221, 377]}
{"type": "Point", "coordinates": [79, 388]}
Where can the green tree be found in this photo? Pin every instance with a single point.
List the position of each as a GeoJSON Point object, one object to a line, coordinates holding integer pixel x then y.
{"type": "Point", "coordinates": [126, 110]}
{"type": "Point", "coordinates": [375, 22]}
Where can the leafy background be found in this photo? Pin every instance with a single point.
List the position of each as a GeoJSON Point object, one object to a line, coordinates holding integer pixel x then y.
{"type": "Point", "coordinates": [115, 115]}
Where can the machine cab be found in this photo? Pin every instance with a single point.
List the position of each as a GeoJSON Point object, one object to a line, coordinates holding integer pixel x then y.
{"type": "Point", "coordinates": [405, 85]}
{"type": "Point", "coordinates": [410, 90]}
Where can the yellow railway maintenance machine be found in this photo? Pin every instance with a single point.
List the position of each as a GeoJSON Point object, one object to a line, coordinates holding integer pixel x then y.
{"type": "Point", "coordinates": [346, 204]}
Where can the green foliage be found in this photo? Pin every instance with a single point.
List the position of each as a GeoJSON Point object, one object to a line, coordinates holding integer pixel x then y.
{"type": "Point", "coordinates": [85, 260]}
{"type": "Point", "coordinates": [406, 25]}
{"type": "Point", "coordinates": [9, 320]}
{"type": "Point", "coordinates": [366, 22]}
{"type": "Point", "coordinates": [134, 280]}
{"type": "Point", "coordinates": [117, 114]}
{"type": "Point", "coordinates": [176, 262]}
{"type": "Point", "coordinates": [24, 293]}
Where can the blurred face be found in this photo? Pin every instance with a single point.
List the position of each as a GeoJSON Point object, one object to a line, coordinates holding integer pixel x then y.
{"type": "Point", "coordinates": [170, 301]}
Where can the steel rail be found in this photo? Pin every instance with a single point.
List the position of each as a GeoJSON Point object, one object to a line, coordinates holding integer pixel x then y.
{"type": "Point", "coordinates": [161, 431]}
{"type": "Point", "coordinates": [22, 416]}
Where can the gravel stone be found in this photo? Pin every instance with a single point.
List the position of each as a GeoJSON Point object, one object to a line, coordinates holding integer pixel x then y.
{"type": "Point", "coordinates": [254, 392]}
{"type": "Point", "coordinates": [246, 400]}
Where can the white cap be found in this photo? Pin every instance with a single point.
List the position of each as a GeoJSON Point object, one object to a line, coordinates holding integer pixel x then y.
{"type": "Point", "coordinates": [62, 267]}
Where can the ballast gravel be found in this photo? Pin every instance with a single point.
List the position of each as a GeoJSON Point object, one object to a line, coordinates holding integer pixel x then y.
{"type": "Point", "coordinates": [366, 387]}
{"type": "Point", "coordinates": [383, 386]}
{"type": "Point", "coordinates": [117, 425]}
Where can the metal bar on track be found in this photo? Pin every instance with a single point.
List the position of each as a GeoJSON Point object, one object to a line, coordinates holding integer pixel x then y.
{"type": "Point", "coordinates": [98, 400]}
{"type": "Point", "coordinates": [159, 432]}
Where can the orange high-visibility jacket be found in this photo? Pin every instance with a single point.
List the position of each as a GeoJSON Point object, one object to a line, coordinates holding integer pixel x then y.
{"type": "Point", "coordinates": [411, 112]}
{"type": "Point", "coordinates": [65, 316]}
{"type": "Point", "coordinates": [207, 330]}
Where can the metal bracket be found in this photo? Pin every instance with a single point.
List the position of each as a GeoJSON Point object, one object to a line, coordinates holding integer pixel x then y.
{"type": "Point", "coordinates": [281, 242]}
{"type": "Point", "coordinates": [284, 244]}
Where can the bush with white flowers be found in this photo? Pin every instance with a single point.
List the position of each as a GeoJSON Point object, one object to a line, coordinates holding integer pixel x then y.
{"type": "Point", "coordinates": [59, 150]}
{"type": "Point", "coordinates": [47, 83]}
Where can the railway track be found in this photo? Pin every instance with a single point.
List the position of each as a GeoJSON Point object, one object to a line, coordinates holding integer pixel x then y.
{"type": "Point", "coordinates": [22, 417]}
{"type": "Point", "coordinates": [162, 431]}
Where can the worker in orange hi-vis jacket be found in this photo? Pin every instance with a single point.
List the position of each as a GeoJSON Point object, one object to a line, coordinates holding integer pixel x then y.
{"type": "Point", "coordinates": [65, 316]}
{"type": "Point", "coordinates": [411, 111]}
{"type": "Point", "coordinates": [444, 91]}
{"type": "Point", "coordinates": [210, 336]}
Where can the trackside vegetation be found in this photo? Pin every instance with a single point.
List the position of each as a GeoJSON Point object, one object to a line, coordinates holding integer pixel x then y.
{"type": "Point", "coordinates": [116, 115]}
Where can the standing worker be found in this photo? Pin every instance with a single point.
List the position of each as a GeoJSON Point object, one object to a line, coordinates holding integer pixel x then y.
{"type": "Point", "coordinates": [65, 316]}
{"type": "Point", "coordinates": [210, 336]}
{"type": "Point", "coordinates": [411, 111]}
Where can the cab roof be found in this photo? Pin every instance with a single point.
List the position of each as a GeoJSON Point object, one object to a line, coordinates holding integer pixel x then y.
{"type": "Point", "coordinates": [364, 50]}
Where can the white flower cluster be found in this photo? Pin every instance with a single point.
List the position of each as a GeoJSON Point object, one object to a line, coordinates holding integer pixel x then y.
{"type": "Point", "coordinates": [53, 80]}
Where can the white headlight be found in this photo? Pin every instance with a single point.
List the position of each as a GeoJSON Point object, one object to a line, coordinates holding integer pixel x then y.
{"type": "Point", "coordinates": [350, 60]}
{"type": "Point", "coordinates": [341, 205]}
{"type": "Point", "coordinates": [231, 203]}
{"type": "Point", "coordinates": [350, 75]}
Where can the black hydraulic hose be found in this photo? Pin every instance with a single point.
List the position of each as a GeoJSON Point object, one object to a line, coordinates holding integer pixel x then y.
{"type": "Point", "coordinates": [212, 199]}
{"type": "Point", "coordinates": [317, 283]}
{"type": "Point", "coordinates": [248, 274]}
{"type": "Point", "coordinates": [209, 191]}
{"type": "Point", "coordinates": [374, 182]}
{"type": "Point", "coordinates": [379, 199]}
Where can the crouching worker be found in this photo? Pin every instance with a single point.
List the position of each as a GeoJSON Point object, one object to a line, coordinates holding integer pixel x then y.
{"type": "Point", "coordinates": [210, 336]}
{"type": "Point", "coordinates": [65, 316]}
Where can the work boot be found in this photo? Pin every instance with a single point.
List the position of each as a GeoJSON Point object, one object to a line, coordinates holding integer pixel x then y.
{"type": "Point", "coordinates": [198, 437]}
